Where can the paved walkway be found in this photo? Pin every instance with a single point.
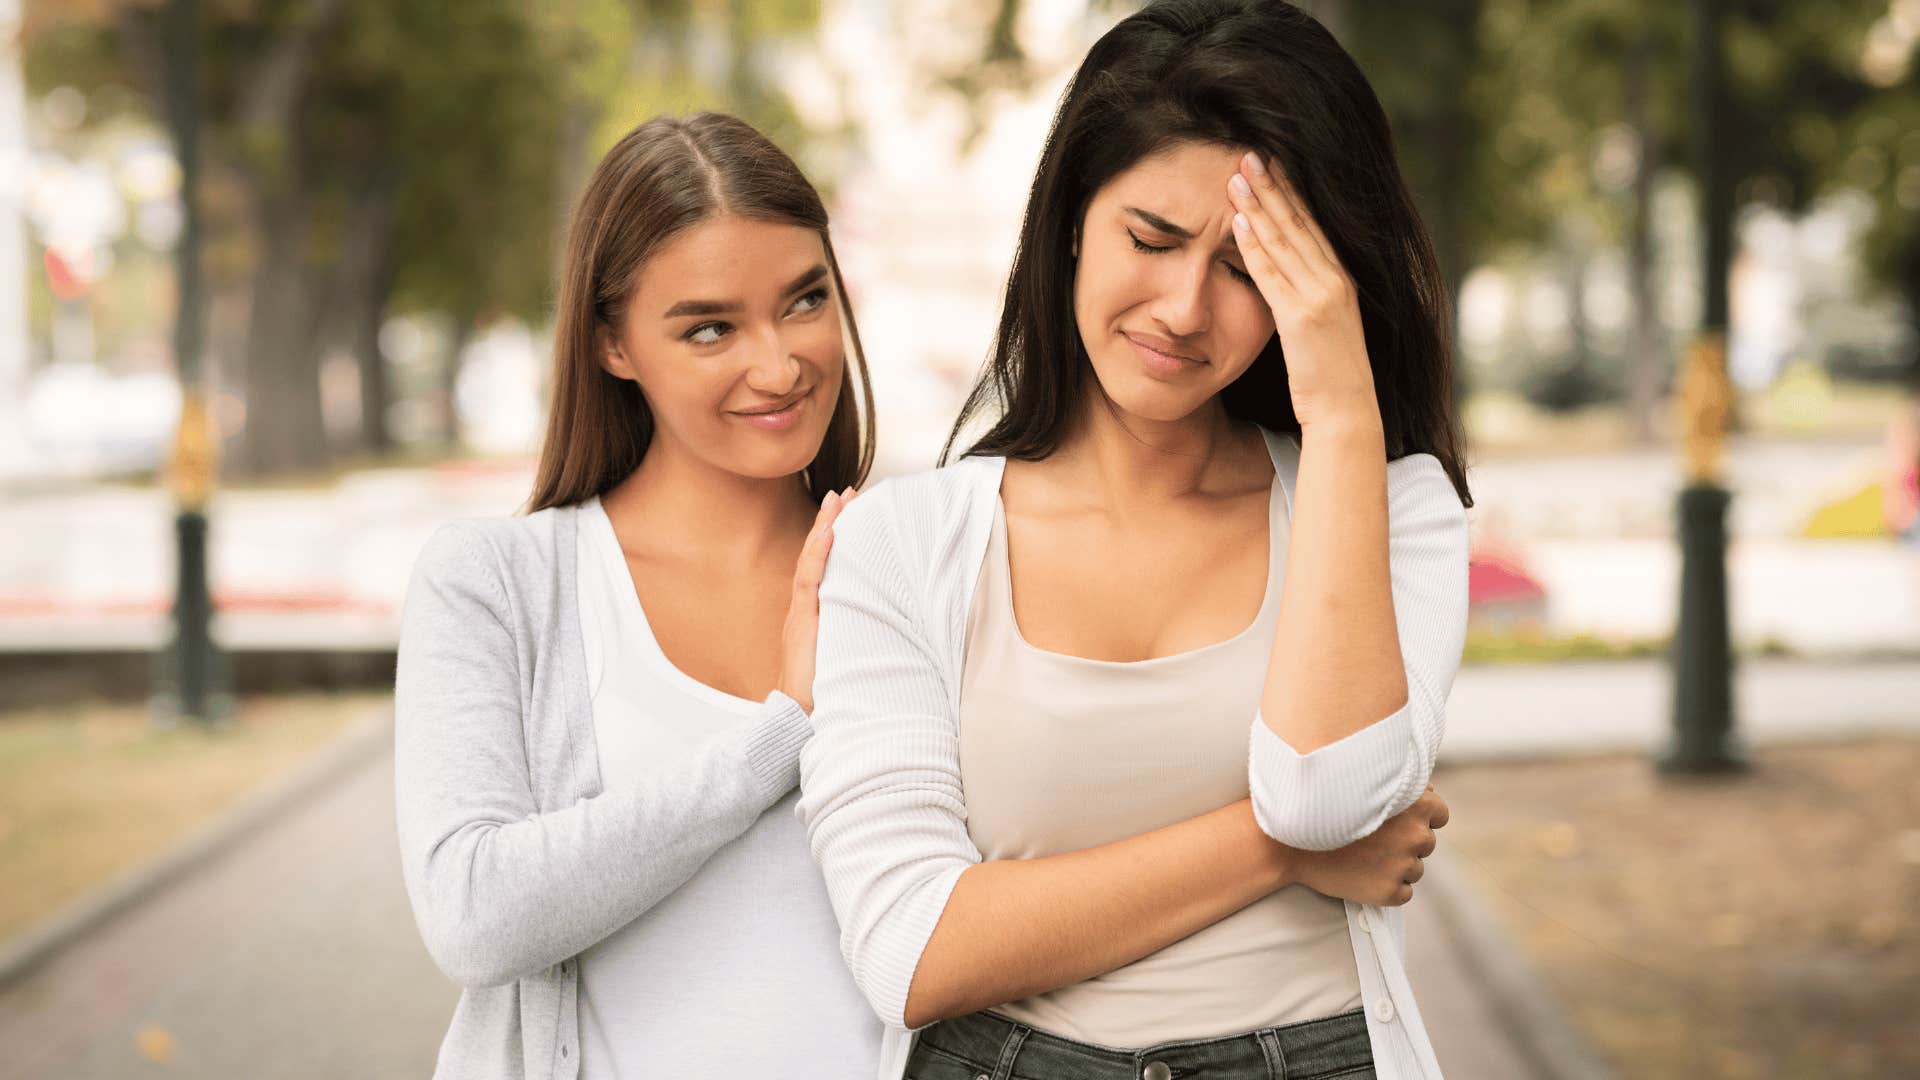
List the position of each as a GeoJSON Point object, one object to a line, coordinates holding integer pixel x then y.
{"type": "Point", "coordinates": [293, 956]}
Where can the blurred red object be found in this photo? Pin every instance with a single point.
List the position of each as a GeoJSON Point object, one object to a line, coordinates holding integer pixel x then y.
{"type": "Point", "coordinates": [63, 279]}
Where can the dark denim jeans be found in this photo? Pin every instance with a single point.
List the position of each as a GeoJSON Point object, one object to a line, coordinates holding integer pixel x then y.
{"type": "Point", "coordinates": [988, 1046]}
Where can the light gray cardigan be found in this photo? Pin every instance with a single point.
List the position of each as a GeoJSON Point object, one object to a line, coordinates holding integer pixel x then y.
{"type": "Point", "coordinates": [514, 859]}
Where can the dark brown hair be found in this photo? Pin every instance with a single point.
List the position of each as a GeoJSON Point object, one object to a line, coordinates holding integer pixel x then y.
{"type": "Point", "coordinates": [1255, 73]}
{"type": "Point", "coordinates": [663, 177]}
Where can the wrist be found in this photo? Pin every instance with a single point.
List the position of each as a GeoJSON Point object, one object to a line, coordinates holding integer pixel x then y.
{"type": "Point", "coordinates": [1357, 425]}
{"type": "Point", "coordinates": [1354, 405]}
{"type": "Point", "coordinates": [1279, 865]}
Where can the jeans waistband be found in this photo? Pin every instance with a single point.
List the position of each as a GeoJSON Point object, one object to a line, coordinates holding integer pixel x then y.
{"type": "Point", "coordinates": [999, 1046]}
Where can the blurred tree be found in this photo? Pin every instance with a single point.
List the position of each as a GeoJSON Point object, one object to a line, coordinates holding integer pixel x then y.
{"type": "Point", "coordinates": [1579, 104]}
{"type": "Point", "coordinates": [1875, 148]}
{"type": "Point", "coordinates": [379, 159]}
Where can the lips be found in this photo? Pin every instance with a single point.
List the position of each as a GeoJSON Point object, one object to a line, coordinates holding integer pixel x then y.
{"type": "Point", "coordinates": [779, 408]}
{"type": "Point", "coordinates": [781, 416]}
{"type": "Point", "coordinates": [1160, 357]}
{"type": "Point", "coordinates": [1162, 346]}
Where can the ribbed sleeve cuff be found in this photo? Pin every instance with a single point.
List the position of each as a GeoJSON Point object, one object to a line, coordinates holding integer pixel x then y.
{"type": "Point", "coordinates": [893, 961]}
{"type": "Point", "coordinates": [1334, 795]}
{"type": "Point", "coordinates": [774, 744]}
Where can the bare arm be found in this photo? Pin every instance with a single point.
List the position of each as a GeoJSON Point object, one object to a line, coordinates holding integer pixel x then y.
{"type": "Point", "coordinates": [1373, 609]}
{"type": "Point", "coordinates": [1336, 665]}
{"type": "Point", "coordinates": [1018, 927]}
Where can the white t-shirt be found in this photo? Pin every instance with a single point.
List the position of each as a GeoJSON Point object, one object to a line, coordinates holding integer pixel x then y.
{"type": "Point", "coordinates": [738, 972]}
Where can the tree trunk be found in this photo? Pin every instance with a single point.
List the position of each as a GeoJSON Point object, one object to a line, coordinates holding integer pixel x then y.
{"type": "Point", "coordinates": [1646, 346]}
{"type": "Point", "coordinates": [461, 336]}
{"type": "Point", "coordinates": [1579, 333]}
{"type": "Point", "coordinates": [371, 266]}
{"type": "Point", "coordinates": [284, 431]}
{"type": "Point", "coordinates": [1907, 273]}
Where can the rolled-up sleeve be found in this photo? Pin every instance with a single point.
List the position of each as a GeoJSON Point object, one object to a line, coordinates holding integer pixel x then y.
{"type": "Point", "coordinates": [1344, 791]}
{"type": "Point", "coordinates": [880, 781]}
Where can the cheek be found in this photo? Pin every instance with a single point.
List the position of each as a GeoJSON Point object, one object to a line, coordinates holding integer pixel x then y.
{"type": "Point", "coordinates": [1242, 324]}
{"type": "Point", "coordinates": [1108, 283]}
{"type": "Point", "coordinates": [682, 391]}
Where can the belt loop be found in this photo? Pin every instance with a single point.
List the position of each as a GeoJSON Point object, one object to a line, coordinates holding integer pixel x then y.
{"type": "Point", "coordinates": [1009, 1051]}
{"type": "Point", "coordinates": [1276, 1058]}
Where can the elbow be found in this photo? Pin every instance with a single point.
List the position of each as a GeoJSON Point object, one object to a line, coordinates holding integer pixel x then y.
{"type": "Point", "coordinates": [920, 1012]}
{"type": "Point", "coordinates": [1315, 828]}
{"type": "Point", "coordinates": [931, 999]}
{"type": "Point", "coordinates": [471, 946]}
{"type": "Point", "coordinates": [1339, 793]}
{"type": "Point", "coordinates": [472, 956]}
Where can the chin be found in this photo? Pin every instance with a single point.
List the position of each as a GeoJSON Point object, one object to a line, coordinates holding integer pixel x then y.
{"type": "Point", "coordinates": [770, 455]}
{"type": "Point", "coordinates": [1146, 398]}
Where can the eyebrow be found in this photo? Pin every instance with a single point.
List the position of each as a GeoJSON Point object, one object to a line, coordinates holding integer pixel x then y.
{"type": "Point", "coordinates": [728, 307]}
{"type": "Point", "coordinates": [1158, 222]}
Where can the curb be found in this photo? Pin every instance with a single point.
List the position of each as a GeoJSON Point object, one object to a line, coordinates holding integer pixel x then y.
{"type": "Point", "coordinates": [40, 942]}
{"type": "Point", "coordinates": [1519, 998]}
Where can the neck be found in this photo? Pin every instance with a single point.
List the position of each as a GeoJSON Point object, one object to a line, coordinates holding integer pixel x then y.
{"type": "Point", "coordinates": [721, 515]}
{"type": "Point", "coordinates": [1129, 459]}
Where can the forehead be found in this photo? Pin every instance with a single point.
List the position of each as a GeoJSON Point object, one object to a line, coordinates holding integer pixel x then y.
{"type": "Point", "coordinates": [1184, 171]}
{"type": "Point", "coordinates": [730, 257]}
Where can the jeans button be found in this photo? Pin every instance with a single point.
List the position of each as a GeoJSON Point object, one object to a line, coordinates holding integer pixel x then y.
{"type": "Point", "coordinates": [1156, 1070]}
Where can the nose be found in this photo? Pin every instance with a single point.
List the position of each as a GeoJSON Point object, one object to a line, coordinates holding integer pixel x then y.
{"type": "Point", "coordinates": [772, 369]}
{"type": "Point", "coordinates": [1182, 306]}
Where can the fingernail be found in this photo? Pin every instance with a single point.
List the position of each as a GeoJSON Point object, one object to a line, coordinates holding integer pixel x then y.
{"type": "Point", "coordinates": [1239, 223]}
{"type": "Point", "coordinates": [1255, 165]}
{"type": "Point", "coordinates": [1239, 186]}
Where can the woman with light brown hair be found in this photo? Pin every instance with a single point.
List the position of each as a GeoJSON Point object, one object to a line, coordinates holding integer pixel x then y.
{"type": "Point", "coordinates": [601, 702]}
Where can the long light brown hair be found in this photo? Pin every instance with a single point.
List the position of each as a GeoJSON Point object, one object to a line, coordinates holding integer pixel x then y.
{"type": "Point", "coordinates": [662, 178]}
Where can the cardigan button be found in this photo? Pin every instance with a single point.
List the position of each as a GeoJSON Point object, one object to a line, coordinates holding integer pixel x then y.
{"type": "Point", "coordinates": [1383, 1009]}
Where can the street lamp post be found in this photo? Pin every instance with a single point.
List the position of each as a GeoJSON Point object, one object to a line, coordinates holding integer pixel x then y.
{"type": "Point", "coordinates": [194, 673]}
{"type": "Point", "coordinates": [1704, 736]}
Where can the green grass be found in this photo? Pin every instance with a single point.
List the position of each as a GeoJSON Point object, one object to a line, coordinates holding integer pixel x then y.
{"type": "Point", "coordinates": [1490, 646]}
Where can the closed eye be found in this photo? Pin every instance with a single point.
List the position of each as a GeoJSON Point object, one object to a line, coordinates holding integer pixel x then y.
{"type": "Point", "coordinates": [1142, 245]}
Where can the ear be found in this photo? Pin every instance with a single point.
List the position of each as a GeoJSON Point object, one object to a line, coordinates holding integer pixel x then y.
{"type": "Point", "coordinates": [612, 357]}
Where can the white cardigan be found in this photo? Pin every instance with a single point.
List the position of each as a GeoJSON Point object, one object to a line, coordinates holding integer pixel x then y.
{"type": "Point", "coordinates": [881, 793]}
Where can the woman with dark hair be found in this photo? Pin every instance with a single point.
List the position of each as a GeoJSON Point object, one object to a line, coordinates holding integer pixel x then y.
{"type": "Point", "coordinates": [601, 703]}
{"type": "Point", "coordinates": [1125, 719]}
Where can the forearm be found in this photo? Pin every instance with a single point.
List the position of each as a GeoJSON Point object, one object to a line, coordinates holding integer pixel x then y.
{"type": "Point", "coordinates": [1018, 927]}
{"type": "Point", "coordinates": [500, 892]}
{"type": "Point", "coordinates": [1336, 665]}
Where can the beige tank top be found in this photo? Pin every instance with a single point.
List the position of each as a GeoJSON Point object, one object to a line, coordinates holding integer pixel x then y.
{"type": "Point", "coordinates": [1060, 753]}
